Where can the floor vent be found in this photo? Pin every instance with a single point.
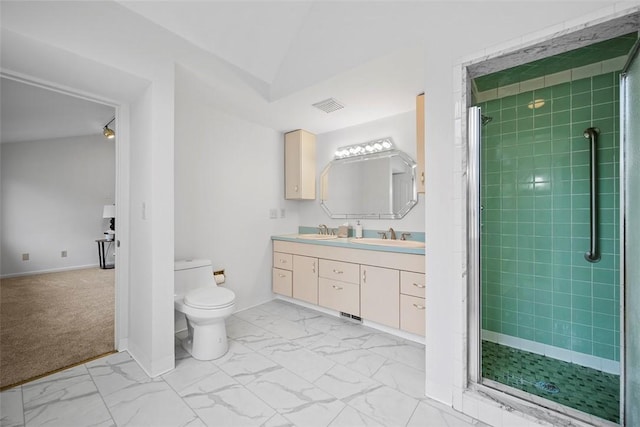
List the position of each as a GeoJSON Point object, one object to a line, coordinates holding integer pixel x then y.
{"type": "Point", "coordinates": [328, 105]}
{"type": "Point", "coordinates": [351, 317]}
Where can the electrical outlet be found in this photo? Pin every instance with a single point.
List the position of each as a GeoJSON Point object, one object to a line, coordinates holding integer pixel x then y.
{"type": "Point", "coordinates": [273, 213]}
{"type": "Point", "coordinates": [63, 254]}
{"type": "Point", "coordinates": [282, 213]}
{"type": "Point", "coordinates": [25, 257]}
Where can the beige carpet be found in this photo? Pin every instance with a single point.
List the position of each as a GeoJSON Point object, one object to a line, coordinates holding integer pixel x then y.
{"type": "Point", "coordinates": [54, 320]}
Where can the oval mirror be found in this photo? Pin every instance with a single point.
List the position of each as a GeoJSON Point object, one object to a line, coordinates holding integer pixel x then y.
{"type": "Point", "coordinates": [380, 185]}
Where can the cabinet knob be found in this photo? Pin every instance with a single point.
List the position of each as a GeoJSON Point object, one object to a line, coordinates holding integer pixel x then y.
{"type": "Point", "coordinates": [338, 271]}
{"type": "Point", "coordinates": [418, 306]}
{"type": "Point", "coordinates": [314, 266]}
{"type": "Point", "coordinates": [281, 275]}
{"type": "Point", "coordinates": [337, 288]}
{"type": "Point", "coordinates": [422, 177]}
{"type": "Point", "coordinates": [282, 261]}
{"type": "Point", "coordinates": [417, 285]}
{"type": "Point", "coordinates": [364, 276]}
{"type": "Point", "coordinates": [295, 188]}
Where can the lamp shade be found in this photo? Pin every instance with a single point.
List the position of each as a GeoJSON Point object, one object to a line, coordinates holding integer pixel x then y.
{"type": "Point", "coordinates": [109, 211]}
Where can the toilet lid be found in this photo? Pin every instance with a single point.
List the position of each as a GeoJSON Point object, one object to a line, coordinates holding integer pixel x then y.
{"type": "Point", "coordinates": [210, 297]}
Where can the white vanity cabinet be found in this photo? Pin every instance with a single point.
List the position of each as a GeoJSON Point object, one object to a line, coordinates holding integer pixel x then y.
{"type": "Point", "coordinates": [412, 315]}
{"type": "Point", "coordinates": [299, 165]}
{"type": "Point", "coordinates": [305, 278]}
{"type": "Point", "coordinates": [339, 286]}
{"type": "Point", "coordinates": [383, 287]}
{"type": "Point", "coordinates": [282, 277]}
{"type": "Point", "coordinates": [380, 295]}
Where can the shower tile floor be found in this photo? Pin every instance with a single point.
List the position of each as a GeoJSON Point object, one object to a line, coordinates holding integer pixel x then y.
{"type": "Point", "coordinates": [286, 366]}
{"type": "Point", "coordinates": [586, 389]}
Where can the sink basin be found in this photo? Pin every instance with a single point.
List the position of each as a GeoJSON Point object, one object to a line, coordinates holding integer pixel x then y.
{"type": "Point", "coordinates": [389, 242]}
{"type": "Point", "coordinates": [317, 236]}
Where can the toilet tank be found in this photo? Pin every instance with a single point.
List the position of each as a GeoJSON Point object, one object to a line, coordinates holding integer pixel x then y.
{"type": "Point", "coordinates": [191, 274]}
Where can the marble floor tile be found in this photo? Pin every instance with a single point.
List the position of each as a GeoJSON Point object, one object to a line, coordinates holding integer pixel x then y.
{"type": "Point", "coordinates": [11, 408]}
{"type": "Point", "coordinates": [343, 383]}
{"type": "Point", "coordinates": [349, 417]}
{"type": "Point", "coordinates": [299, 360]}
{"type": "Point", "coordinates": [386, 405]}
{"type": "Point", "coordinates": [427, 414]}
{"type": "Point", "coordinates": [221, 400]}
{"type": "Point", "coordinates": [360, 360]}
{"type": "Point", "coordinates": [246, 367]}
{"type": "Point", "coordinates": [149, 403]}
{"type": "Point", "coordinates": [188, 371]}
{"type": "Point", "coordinates": [297, 400]}
{"type": "Point", "coordinates": [398, 349]}
{"type": "Point", "coordinates": [286, 366]}
{"type": "Point", "coordinates": [66, 398]}
{"type": "Point", "coordinates": [402, 377]}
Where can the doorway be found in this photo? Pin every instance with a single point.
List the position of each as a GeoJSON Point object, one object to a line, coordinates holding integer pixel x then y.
{"type": "Point", "coordinates": [58, 173]}
{"type": "Point", "coordinates": [545, 232]}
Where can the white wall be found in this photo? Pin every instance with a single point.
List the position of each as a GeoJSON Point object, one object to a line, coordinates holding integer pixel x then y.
{"type": "Point", "coordinates": [228, 174]}
{"type": "Point", "coordinates": [53, 192]}
{"type": "Point", "coordinates": [402, 128]}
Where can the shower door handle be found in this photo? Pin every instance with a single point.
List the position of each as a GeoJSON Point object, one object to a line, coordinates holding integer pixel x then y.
{"type": "Point", "coordinates": [592, 254]}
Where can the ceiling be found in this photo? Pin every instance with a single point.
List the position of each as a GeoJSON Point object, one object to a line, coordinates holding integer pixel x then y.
{"type": "Point", "coordinates": [268, 61]}
{"type": "Point", "coordinates": [32, 113]}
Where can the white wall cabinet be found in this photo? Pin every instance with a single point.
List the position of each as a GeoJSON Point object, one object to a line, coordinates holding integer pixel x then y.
{"type": "Point", "coordinates": [299, 165]}
{"type": "Point", "coordinates": [383, 287]}
{"type": "Point", "coordinates": [305, 278]}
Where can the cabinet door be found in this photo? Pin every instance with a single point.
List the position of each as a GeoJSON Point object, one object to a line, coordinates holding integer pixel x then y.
{"type": "Point", "coordinates": [380, 295]}
{"type": "Point", "coordinates": [339, 296]}
{"type": "Point", "coordinates": [420, 120]}
{"type": "Point", "coordinates": [412, 314]}
{"type": "Point", "coordinates": [281, 282]}
{"type": "Point", "coordinates": [305, 278]}
{"type": "Point", "coordinates": [300, 165]}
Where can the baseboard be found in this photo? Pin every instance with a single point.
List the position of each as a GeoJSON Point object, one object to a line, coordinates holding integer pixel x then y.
{"type": "Point", "coordinates": [52, 270]}
{"type": "Point", "coordinates": [599, 363]}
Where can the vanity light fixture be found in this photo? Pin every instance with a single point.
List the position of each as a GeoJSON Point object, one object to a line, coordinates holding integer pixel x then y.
{"type": "Point", "coordinates": [375, 146]}
{"type": "Point", "coordinates": [109, 133]}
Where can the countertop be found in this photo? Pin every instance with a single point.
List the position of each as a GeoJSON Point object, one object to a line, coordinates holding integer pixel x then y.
{"type": "Point", "coordinates": [347, 242]}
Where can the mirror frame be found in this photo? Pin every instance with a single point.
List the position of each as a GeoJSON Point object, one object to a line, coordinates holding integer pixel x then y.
{"type": "Point", "coordinates": [394, 215]}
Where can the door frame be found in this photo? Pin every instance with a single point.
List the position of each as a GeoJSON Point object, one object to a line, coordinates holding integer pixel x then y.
{"type": "Point", "coordinates": [122, 161]}
{"type": "Point", "coordinates": [555, 43]}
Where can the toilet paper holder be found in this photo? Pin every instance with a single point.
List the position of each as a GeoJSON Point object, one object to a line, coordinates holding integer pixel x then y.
{"type": "Point", "coordinates": [218, 276]}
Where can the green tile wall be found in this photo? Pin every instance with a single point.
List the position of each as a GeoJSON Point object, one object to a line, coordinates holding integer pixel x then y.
{"type": "Point", "coordinates": [536, 284]}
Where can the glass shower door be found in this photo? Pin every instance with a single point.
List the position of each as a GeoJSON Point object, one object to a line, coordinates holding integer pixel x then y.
{"type": "Point", "coordinates": [630, 109]}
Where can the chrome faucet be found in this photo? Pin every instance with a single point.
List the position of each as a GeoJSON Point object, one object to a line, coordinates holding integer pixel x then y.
{"type": "Point", "coordinates": [392, 234]}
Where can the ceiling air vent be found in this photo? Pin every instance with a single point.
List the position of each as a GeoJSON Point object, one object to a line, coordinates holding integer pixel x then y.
{"type": "Point", "coordinates": [328, 105]}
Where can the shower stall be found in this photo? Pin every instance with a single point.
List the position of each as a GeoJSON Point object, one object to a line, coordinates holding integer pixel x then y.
{"type": "Point", "coordinates": [549, 228]}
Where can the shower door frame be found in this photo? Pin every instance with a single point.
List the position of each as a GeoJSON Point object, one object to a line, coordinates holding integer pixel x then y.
{"type": "Point", "coordinates": [471, 137]}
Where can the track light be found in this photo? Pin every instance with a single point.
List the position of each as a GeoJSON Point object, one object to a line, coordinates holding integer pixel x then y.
{"type": "Point", "coordinates": [109, 133]}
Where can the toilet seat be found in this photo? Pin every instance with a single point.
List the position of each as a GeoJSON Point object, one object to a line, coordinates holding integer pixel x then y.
{"type": "Point", "coordinates": [210, 298]}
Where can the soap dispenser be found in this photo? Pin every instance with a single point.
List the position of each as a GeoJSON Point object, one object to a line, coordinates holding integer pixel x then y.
{"type": "Point", "coordinates": [358, 230]}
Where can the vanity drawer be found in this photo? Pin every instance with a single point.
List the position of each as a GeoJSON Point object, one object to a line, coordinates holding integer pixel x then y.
{"type": "Point", "coordinates": [412, 314]}
{"type": "Point", "coordinates": [342, 271]}
{"type": "Point", "coordinates": [282, 282]}
{"type": "Point", "coordinates": [282, 260]}
{"type": "Point", "coordinates": [340, 296]}
{"type": "Point", "coordinates": [412, 283]}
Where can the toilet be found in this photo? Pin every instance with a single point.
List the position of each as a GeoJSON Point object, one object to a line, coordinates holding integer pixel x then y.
{"type": "Point", "coordinates": [204, 305]}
